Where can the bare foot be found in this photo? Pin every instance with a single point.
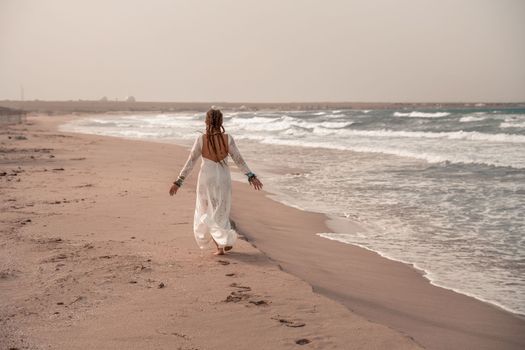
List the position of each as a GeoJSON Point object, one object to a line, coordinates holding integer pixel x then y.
{"type": "Point", "coordinates": [220, 251]}
{"type": "Point", "coordinates": [228, 247]}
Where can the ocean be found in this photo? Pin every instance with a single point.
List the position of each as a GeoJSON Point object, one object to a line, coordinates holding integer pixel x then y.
{"type": "Point", "coordinates": [443, 189]}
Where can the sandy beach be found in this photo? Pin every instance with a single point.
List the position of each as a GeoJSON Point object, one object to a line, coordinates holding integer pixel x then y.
{"type": "Point", "coordinates": [96, 255]}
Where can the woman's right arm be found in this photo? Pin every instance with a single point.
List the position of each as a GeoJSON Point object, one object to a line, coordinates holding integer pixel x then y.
{"type": "Point", "coordinates": [241, 164]}
{"type": "Point", "coordinates": [195, 153]}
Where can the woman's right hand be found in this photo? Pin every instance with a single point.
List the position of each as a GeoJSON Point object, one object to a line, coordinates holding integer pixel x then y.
{"type": "Point", "coordinates": [174, 188]}
{"type": "Point", "coordinates": [257, 185]}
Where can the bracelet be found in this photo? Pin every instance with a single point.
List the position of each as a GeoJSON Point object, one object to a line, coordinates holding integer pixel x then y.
{"type": "Point", "coordinates": [179, 181]}
{"type": "Point", "coordinates": [250, 176]}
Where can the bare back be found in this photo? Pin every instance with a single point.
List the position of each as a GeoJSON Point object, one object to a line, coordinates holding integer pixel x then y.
{"type": "Point", "coordinates": [207, 151]}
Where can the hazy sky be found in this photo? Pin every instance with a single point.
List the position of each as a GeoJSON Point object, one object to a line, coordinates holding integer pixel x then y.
{"type": "Point", "coordinates": [264, 50]}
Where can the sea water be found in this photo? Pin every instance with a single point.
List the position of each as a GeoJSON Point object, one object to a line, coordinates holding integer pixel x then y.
{"type": "Point", "coordinates": [443, 190]}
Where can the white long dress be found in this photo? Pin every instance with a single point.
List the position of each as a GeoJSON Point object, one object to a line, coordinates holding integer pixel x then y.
{"type": "Point", "coordinates": [213, 203]}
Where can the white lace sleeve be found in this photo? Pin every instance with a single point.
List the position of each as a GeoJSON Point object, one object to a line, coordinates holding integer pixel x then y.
{"type": "Point", "coordinates": [236, 156]}
{"type": "Point", "coordinates": [195, 153]}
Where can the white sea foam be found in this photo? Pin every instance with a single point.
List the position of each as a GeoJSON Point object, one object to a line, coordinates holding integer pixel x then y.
{"type": "Point", "coordinates": [283, 123]}
{"type": "Point", "coordinates": [416, 114]}
{"type": "Point", "coordinates": [512, 124]}
{"type": "Point", "coordinates": [284, 129]}
{"type": "Point", "coordinates": [472, 118]}
{"type": "Point", "coordinates": [453, 135]}
{"type": "Point", "coordinates": [263, 124]}
{"type": "Point", "coordinates": [295, 131]}
{"type": "Point", "coordinates": [430, 157]}
{"type": "Point", "coordinates": [340, 128]}
{"type": "Point", "coordinates": [333, 125]}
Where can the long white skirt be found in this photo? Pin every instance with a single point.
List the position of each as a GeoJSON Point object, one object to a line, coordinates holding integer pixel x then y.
{"type": "Point", "coordinates": [212, 207]}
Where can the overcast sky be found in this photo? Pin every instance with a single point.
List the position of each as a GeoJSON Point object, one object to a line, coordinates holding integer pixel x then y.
{"type": "Point", "coordinates": [264, 50]}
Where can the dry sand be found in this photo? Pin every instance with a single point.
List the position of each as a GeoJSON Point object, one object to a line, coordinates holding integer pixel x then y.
{"type": "Point", "coordinates": [94, 254]}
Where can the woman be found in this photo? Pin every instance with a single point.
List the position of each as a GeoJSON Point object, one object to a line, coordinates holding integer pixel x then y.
{"type": "Point", "coordinates": [212, 207]}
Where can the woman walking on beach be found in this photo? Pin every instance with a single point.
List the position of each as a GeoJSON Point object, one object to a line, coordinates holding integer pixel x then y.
{"type": "Point", "coordinates": [212, 207]}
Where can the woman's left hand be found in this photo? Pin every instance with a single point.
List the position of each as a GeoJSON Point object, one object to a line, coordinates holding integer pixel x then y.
{"type": "Point", "coordinates": [173, 190]}
{"type": "Point", "coordinates": [257, 185]}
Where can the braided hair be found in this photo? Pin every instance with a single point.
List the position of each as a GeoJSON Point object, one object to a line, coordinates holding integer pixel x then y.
{"type": "Point", "coordinates": [213, 128]}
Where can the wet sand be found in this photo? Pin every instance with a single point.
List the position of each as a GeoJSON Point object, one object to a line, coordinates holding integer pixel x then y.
{"type": "Point", "coordinates": [382, 290]}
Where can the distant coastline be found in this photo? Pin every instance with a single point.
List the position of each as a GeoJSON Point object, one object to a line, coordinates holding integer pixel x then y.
{"type": "Point", "coordinates": [90, 106]}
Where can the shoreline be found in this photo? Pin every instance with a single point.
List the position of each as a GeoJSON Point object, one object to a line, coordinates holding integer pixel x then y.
{"type": "Point", "coordinates": [485, 309]}
{"type": "Point", "coordinates": [339, 229]}
{"type": "Point", "coordinates": [482, 325]}
{"type": "Point", "coordinates": [332, 223]}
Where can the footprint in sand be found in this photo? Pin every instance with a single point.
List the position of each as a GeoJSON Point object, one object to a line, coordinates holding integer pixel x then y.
{"type": "Point", "coordinates": [25, 221]}
{"type": "Point", "coordinates": [8, 273]}
{"type": "Point", "coordinates": [242, 294]}
{"type": "Point", "coordinates": [302, 341]}
{"type": "Point", "coordinates": [235, 285]}
{"type": "Point", "coordinates": [289, 323]}
{"type": "Point", "coordinates": [237, 296]}
{"type": "Point", "coordinates": [48, 240]}
{"type": "Point", "coordinates": [55, 258]}
{"type": "Point", "coordinates": [107, 256]}
{"type": "Point", "coordinates": [223, 262]}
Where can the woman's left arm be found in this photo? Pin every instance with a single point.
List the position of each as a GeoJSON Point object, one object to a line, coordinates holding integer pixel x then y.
{"type": "Point", "coordinates": [241, 164]}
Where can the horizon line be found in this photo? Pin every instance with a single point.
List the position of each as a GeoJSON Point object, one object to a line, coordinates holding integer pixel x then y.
{"type": "Point", "coordinates": [266, 102]}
